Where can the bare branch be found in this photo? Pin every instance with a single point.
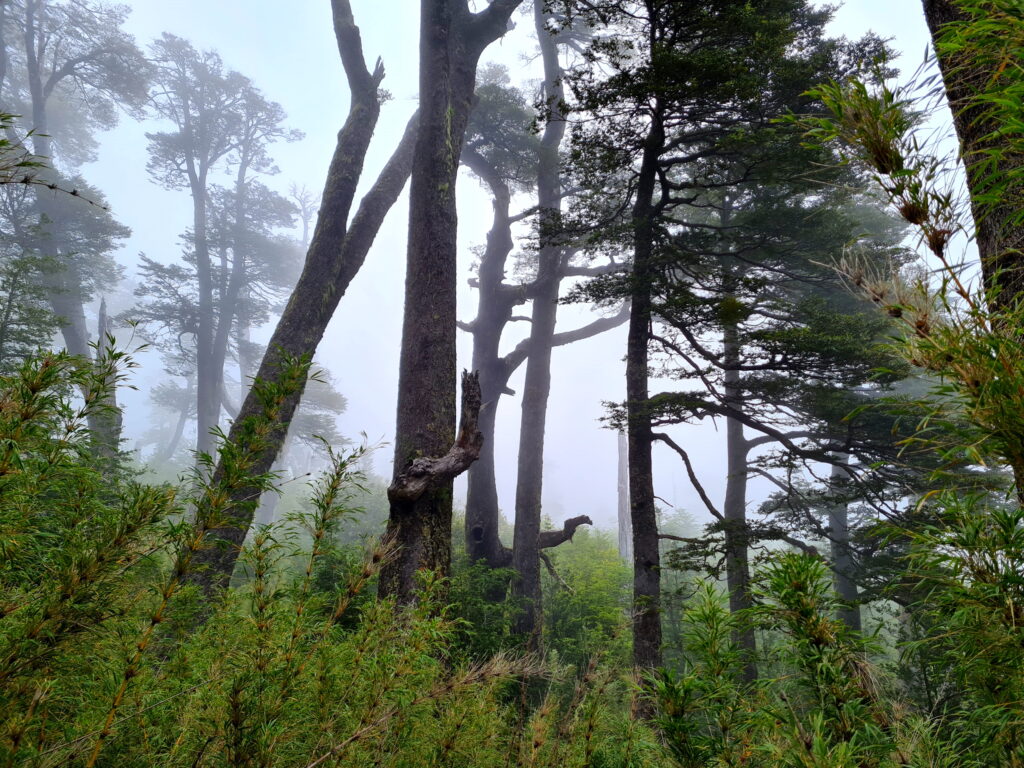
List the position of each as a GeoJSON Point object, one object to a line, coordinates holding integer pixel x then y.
{"type": "Point", "coordinates": [548, 539]}
{"type": "Point", "coordinates": [683, 539]}
{"type": "Point", "coordinates": [796, 435]}
{"type": "Point", "coordinates": [600, 325]}
{"type": "Point", "coordinates": [521, 351]}
{"type": "Point", "coordinates": [801, 545]}
{"type": "Point", "coordinates": [427, 472]}
{"type": "Point", "coordinates": [605, 269]}
{"type": "Point", "coordinates": [517, 217]}
{"type": "Point", "coordinates": [350, 46]}
{"type": "Point", "coordinates": [492, 22]}
{"type": "Point", "coordinates": [689, 471]}
{"type": "Point", "coordinates": [554, 574]}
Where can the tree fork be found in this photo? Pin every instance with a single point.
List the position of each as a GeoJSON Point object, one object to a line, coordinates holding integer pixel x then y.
{"type": "Point", "coordinates": [452, 39]}
{"type": "Point", "coordinates": [335, 255]}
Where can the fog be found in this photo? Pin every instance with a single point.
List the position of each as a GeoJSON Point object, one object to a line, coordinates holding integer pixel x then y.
{"type": "Point", "coordinates": [290, 54]}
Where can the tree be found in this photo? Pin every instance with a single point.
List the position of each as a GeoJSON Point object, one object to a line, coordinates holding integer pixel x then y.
{"type": "Point", "coordinates": [670, 110]}
{"type": "Point", "coordinates": [498, 151]}
{"type": "Point", "coordinates": [973, 41]}
{"type": "Point", "coordinates": [552, 259]}
{"type": "Point", "coordinates": [255, 266]}
{"type": "Point", "coordinates": [68, 68]}
{"type": "Point", "coordinates": [27, 322]}
{"type": "Point", "coordinates": [759, 321]}
{"type": "Point", "coordinates": [336, 253]}
{"type": "Point", "coordinates": [205, 106]}
{"type": "Point", "coordinates": [503, 153]}
{"type": "Point", "coordinates": [452, 38]}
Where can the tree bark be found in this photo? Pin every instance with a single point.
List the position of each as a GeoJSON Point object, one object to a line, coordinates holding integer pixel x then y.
{"type": "Point", "coordinates": [496, 301]}
{"type": "Point", "coordinates": [843, 565]}
{"type": "Point", "coordinates": [335, 255]}
{"type": "Point", "coordinates": [643, 512]}
{"type": "Point", "coordinates": [207, 376]}
{"type": "Point", "coordinates": [1000, 242]}
{"type": "Point", "coordinates": [537, 385]}
{"type": "Point", "coordinates": [625, 540]}
{"type": "Point", "coordinates": [734, 510]}
{"type": "Point", "coordinates": [451, 41]}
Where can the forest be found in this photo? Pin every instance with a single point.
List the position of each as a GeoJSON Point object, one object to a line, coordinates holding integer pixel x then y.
{"type": "Point", "coordinates": [732, 475]}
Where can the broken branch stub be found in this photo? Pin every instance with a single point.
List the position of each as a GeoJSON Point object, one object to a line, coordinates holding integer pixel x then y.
{"type": "Point", "coordinates": [549, 539]}
{"type": "Point", "coordinates": [428, 471]}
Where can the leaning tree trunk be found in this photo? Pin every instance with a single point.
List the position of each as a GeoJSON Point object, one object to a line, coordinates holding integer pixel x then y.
{"type": "Point", "coordinates": [419, 524]}
{"type": "Point", "coordinates": [1000, 241]}
{"type": "Point", "coordinates": [643, 512]}
{"type": "Point", "coordinates": [335, 255]}
{"type": "Point", "coordinates": [537, 385]}
{"type": "Point", "coordinates": [734, 511]}
{"type": "Point", "coordinates": [843, 565]}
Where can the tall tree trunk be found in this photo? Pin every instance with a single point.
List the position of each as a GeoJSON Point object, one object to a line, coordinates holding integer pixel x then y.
{"type": "Point", "coordinates": [643, 512]}
{"type": "Point", "coordinates": [625, 540]}
{"type": "Point", "coordinates": [496, 302]}
{"type": "Point", "coordinates": [207, 376]}
{"type": "Point", "coordinates": [537, 386]}
{"type": "Point", "coordinates": [65, 294]}
{"type": "Point", "coordinates": [336, 253]}
{"type": "Point", "coordinates": [231, 291]}
{"type": "Point", "coordinates": [843, 565]}
{"type": "Point", "coordinates": [734, 511]}
{"type": "Point", "coordinates": [451, 41]}
{"type": "Point", "coordinates": [179, 428]}
{"type": "Point", "coordinates": [247, 362]}
{"type": "Point", "coordinates": [66, 302]}
{"type": "Point", "coordinates": [1000, 242]}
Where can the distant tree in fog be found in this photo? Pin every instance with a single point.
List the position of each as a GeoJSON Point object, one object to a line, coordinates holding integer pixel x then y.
{"type": "Point", "coordinates": [69, 69]}
{"type": "Point", "coordinates": [220, 121]}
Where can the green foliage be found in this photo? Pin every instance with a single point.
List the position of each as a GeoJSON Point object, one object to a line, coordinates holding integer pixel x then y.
{"type": "Point", "coordinates": [109, 657]}
{"type": "Point", "coordinates": [26, 321]}
{"type": "Point", "coordinates": [969, 563]}
{"type": "Point", "coordinates": [17, 164]}
{"type": "Point", "coordinates": [703, 711]}
{"type": "Point", "coordinates": [964, 551]}
{"type": "Point", "coordinates": [988, 39]}
{"type": "Point", "coordinates": [825, 704]}
{"type": "Point", "coordinates": [482, 602]}
{"type": "Point", "coordinates": [586, 608]}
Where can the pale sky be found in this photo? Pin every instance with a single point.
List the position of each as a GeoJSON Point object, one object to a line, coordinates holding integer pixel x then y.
{"type": "Point", "coordinates": [289, 52]}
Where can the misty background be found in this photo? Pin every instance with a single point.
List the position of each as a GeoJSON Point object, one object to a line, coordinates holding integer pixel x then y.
{"type": "Point", "coordinates": [292, 58]}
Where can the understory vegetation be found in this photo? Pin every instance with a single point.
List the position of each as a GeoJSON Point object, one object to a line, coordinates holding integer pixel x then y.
{"type": "Point", "coordinates": [110, 656]}
{"type": "Point", "coordinates": [754, 197]}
